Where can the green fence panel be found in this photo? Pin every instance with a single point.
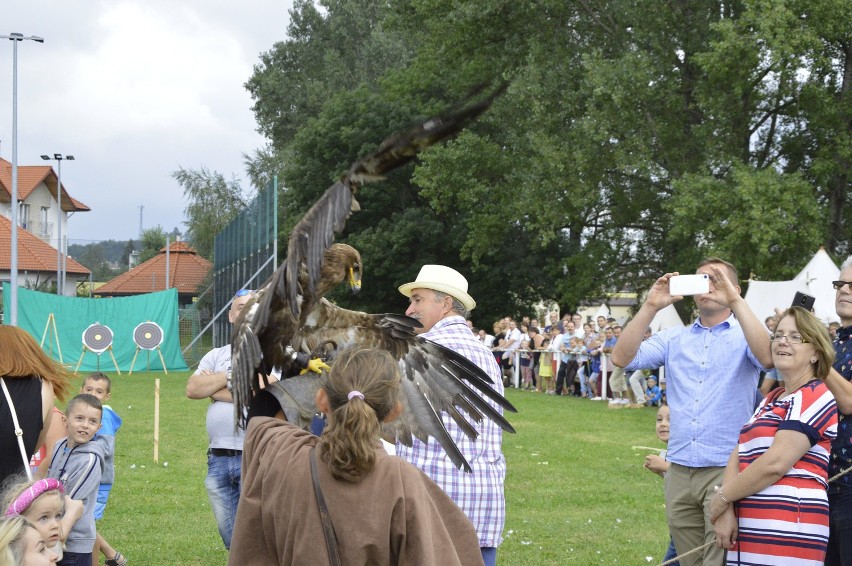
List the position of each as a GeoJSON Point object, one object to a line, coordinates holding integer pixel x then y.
{"type": "Point", "coordinates": [47, 316]}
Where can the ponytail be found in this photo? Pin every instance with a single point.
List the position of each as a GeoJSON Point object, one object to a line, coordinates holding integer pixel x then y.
{"type": "Point", "coordinates": [362, 390]}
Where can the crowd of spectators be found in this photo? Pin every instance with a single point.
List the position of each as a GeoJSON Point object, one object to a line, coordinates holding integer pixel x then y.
{"type": "Point", "coordinates": [568, 356]}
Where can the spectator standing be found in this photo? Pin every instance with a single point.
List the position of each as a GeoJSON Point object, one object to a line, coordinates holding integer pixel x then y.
{"type": "Point", "coordinates": [99, 385]}
{"type": "Point", "coordinates": [553, 317]}
{"type": "Point", "coordinates": [545, 368]}
{"type": "Point", "coordinates": [712, 368]}
{"type": "Point", "coordinates": [637, 380]}
{"type": "Point", "coordinates": [839, 382]}
{"type": "Point", "coordinates": [33, 382]}
{"type": "Point", "coordinates": [657, 463]}
{"type": "Point", "coordinates": [772, 507]}
{"type": "Point", "coordinates": [439, 300]}
{"type": "Point", "coordinates": [212, 380]}
{"type": "Point", "coordinates": [568, 364]}
{"type": "Point", "coordinates": [78, 462]}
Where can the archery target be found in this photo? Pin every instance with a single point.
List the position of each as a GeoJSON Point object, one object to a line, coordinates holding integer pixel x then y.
{"type": "Point", "coordinates": [148, 335]}
{"type": "Point", "coordinates": [97, 337]}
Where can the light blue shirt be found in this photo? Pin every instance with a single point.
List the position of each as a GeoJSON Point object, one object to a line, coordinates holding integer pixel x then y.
{"type": "Point", "coordinates": [711, 378]}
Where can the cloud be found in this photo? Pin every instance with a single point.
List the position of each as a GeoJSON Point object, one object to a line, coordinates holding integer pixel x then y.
{"type": "Point", "coordinates": [135, 89]}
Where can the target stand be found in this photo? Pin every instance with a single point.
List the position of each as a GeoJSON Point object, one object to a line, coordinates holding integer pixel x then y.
{"type": "Point", "coordinates": [97, 338]}
{"type": "Point", "coordinates": [148, 336]}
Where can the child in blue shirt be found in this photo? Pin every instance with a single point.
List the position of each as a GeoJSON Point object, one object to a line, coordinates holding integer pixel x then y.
{"type": "Point", "coordinates": [653, 394]}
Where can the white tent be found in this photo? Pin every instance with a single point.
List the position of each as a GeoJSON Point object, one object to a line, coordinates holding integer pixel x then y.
{"type": "Point", "coordinates": [815, 280]}
{"type": "Point", "coordinates": [665, 318]}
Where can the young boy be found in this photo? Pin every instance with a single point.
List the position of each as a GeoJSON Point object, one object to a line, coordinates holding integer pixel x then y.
{"type": "Point", "coordinates": [99, 385]}
{"type": "Point", "coordinates": [78, 461]}
{"type": "Point", "coordinates": [653, 394]}
{"type": "Point", "coordinates": [659, 465]}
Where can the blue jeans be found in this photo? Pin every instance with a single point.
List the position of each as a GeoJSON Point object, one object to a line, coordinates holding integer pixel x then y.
{"type": "Point", "coordinates": [839, 527]}
{"type": "Point", "coordinates": [223, 488]}
{"type": "Point", "coordinates": [489, 555]}
{"type": "Point", "coordinates": [671, 553]}
{"type": "Point", "coordinates": [75, 559]}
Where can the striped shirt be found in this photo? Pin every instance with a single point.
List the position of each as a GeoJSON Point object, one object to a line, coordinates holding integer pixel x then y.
{"type": "Point", "coordinates": [711, 381]}
{"type": "Point", "coordinates": [480, 493]}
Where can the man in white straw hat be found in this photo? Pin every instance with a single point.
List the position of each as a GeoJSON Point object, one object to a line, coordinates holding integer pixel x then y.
{"type": "Point", "coordinates": [439, 300]}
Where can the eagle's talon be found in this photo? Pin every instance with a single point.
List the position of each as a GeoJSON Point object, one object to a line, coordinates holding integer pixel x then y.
{"type": "Point", "coordinates": [316, 365]}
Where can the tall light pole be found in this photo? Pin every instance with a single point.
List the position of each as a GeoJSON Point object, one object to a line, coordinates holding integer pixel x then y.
{"type": "Point", "coordinates": [60, 276]}
{"type": "Point", "coordinates": [13, 286]}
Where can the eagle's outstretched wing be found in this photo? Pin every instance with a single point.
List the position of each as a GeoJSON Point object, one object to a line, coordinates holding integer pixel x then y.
{"type": "Point", "coordinates": [265, 328]}
{"type": "Point", "coordinates": [314, 233]}
{"type": "Point", "coordinates": [435, 379]}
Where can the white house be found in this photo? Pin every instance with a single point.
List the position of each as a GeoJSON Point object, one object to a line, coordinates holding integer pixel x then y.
{"type": "Point", "coordinates": [39, 219]}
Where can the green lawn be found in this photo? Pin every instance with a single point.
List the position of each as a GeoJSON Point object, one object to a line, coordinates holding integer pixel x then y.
{"type": "Point", "coordinates": [576, 491]}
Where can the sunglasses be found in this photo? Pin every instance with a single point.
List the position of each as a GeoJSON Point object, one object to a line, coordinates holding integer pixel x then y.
{"type": "Point", "coordinates": [244, 292]}
{"type": "Point", "coordinates": [838, 285]}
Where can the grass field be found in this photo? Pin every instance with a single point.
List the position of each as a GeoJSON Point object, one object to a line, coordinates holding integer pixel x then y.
{"type": "Point", "coordinates": [576, 491]}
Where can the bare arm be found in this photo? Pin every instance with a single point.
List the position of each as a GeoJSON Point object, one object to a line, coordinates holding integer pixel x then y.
{"type": "Point", "coordinates": [47, 400]}
{"type": "Point", "coordinates": [73, 512]}
{"type": "Point", "coordinates": [788, 448]}
{"type": "Point", "coordinates": [55, 432]}
{"type": "Point", "coordinates": [631, 336]}
{"type": "Point", "coordinates": [205, 383]}
{"type": "Point", "coordinates": [656, 464]}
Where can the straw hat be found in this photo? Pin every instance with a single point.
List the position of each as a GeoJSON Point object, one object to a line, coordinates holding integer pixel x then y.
{"type": "Point", "coordinates": [444, 279]}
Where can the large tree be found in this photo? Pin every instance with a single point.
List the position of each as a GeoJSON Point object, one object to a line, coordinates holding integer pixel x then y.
{"type": "Point", "coordinates": [635, 137]}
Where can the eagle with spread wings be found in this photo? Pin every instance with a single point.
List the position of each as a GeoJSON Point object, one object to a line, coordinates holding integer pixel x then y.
{"type": "Point", "coordinates": [289, 324]}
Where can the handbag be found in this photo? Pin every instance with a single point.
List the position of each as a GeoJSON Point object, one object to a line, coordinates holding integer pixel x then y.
{"type": "Point", "coordinates": [19, 432]}
{"type": "Point", "coordinates": [327, 526]}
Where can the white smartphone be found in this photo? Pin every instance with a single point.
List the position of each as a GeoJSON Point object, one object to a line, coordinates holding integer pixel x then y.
{"type": "Point", "coordinates": [697, 284]}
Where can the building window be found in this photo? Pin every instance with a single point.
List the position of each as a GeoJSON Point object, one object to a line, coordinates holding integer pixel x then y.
{"type": "Point", "coordinates": [24, 216]}
{"type": "Point", "coordinates": [46, 226]}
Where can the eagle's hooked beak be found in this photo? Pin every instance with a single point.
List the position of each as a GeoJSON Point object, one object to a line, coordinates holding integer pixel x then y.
{"type": "Point", "coordinates": [354, 284]}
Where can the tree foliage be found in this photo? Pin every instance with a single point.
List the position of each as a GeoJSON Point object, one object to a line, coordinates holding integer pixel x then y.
{"type": "Point", "coordinates": [213, 203]}
{"type": "Point", "coordinates": [152, 241]}
{"type": "Point", "coordinates": [634, 138]}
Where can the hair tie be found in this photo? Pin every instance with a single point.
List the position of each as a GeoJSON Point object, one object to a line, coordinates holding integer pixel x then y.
{"type": "Point", "coordinates": [354, 393]}
{"type": "Point", "coordinates": [26, 498]}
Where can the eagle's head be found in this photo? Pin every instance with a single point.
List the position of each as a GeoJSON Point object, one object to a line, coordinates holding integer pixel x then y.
{"type": "Point", "coordinates": [342, 263]}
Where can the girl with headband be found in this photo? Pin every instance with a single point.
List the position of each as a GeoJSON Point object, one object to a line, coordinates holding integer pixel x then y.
{"type": "Point", "coordinates": [379, 508]}
{"type": "Point", "coordinates": [44, 505]}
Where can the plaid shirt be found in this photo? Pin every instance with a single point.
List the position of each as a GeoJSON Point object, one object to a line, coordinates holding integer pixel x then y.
{"type": "Point", "coordinates": [480, 493]}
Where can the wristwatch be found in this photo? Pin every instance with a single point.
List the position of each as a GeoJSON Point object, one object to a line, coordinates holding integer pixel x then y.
{"type": "Point", "coordinates": [228, 383]}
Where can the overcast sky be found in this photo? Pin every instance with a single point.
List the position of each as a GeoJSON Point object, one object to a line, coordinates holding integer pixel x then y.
{"type": "Point", "coordinates": [134, 89]}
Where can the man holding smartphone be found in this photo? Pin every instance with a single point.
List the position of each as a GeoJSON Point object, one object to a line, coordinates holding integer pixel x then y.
{"type": "Point", "coordinates": [712, 370]}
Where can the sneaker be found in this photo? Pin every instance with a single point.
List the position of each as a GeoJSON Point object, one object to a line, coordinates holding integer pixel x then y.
{"type": "Point", "coordinates": [117, 560]}
{"type": "Point", "coordinates": [623, 401]}
{"type": "Point", "coordinates": [595, 399]}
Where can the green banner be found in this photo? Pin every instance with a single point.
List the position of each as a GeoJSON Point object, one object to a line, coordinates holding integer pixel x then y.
{"type": "Point", "coordinates": [58, 324]}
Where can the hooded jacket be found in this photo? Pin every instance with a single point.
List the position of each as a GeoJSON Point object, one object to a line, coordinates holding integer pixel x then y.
{"type": "Point", "coordinates": [80, 469]}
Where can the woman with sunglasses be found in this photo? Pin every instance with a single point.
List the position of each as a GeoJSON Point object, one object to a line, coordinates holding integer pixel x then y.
{"type": "Point", "coordinates": [772, 506]}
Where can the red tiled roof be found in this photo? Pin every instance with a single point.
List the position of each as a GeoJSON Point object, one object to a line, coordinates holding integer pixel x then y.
{"type": "Point", "coordinates": [30, 177]}
{"type": "Point", "coordinates": [33, 254]}
{"type": "Point", "coordinates": [187, 271]}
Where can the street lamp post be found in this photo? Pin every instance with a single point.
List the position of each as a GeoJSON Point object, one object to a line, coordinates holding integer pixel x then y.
{"type": "Point", "coordinates": [13, 283]}
{"type": "Point", "coordinates": [60, 275]}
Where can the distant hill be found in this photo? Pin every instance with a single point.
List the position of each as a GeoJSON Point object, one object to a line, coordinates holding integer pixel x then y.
{"type": "Point", "coordinates": [106, 258]}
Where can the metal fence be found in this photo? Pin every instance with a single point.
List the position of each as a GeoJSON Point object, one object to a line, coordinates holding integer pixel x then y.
{"type": "Point", "coordinates": [245, 255]}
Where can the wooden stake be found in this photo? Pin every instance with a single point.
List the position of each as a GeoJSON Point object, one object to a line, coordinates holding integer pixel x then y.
{"type": "Point", "coordinates": [156, 421]}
